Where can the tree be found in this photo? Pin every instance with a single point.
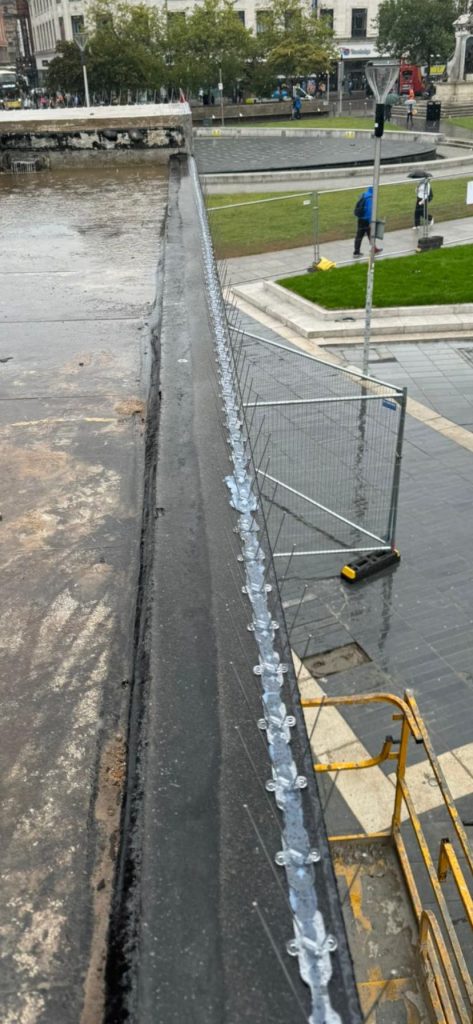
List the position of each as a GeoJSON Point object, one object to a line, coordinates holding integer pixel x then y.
{"type": "Point", "coordinates": [65, 69]}
{"type": "Point", "coordinates": [125, 50]}
{"type": "Point", "coordinates": [209, 38]}
{"type": "Point", "coordinates": [418, 30]}
{"type": "Point", "coordinates": [294, 41]}
{"type": "Point", "coordinates": [126, 46]}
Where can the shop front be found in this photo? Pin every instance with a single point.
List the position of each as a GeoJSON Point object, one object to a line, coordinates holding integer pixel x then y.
{"type": "Point", "coordinates": [354, 58]}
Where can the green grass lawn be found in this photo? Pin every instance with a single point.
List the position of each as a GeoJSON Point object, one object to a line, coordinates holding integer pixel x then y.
{"type": "Point", "coordinates": [426, 278]}
{"type": "Point", "coordinates": [326, 122]}
{"type": "Point", "coordinates": [289, 223]}
{"type": "Point", "coordinates": [462, 122]}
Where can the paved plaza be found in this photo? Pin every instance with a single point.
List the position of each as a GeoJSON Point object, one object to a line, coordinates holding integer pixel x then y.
{"type": "Point", "coordinates": [227, 155]}
{"type": "Point", "coordinates": [439, 374]}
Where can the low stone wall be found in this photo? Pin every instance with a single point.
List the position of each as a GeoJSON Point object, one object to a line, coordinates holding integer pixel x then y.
{"type": "Point", "coordinates": [255, 111]}
{"type": "Point", "coordinates": [455, 93]}
{"type": "Point", "coordinates": [56, 137]}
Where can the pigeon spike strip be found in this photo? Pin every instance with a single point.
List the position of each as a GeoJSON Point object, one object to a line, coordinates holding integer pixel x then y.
{"type": "Point", "coordinates": [311, 944]}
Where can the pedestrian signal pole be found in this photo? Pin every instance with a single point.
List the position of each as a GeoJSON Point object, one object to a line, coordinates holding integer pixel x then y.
{"type": "Point", "coordinates": [80, 39]}
{"type": "Point", "coordinates": [381, 76]}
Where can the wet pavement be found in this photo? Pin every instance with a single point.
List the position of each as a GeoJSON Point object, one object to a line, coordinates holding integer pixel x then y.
{"type": "Point", "coordinates": [79, 254]}
{"type": "Point", "coordinates": [440, 374]}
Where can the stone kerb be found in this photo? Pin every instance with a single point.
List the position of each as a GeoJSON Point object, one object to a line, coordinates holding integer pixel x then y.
{"type": "Point", "coordinates": [283, 294]}
{"type": "Point", "coordinates": [217, 131]}
{"type": "Point", "coordinates": [345, 326]}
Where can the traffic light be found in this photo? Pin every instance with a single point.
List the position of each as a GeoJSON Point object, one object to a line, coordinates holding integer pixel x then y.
{"type": "Point", "coordinates": [379, 120]}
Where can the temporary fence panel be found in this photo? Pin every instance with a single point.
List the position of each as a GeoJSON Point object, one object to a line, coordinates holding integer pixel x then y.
{"type": "Point", "coordinates": [251, 224]}
{"type": "Point", "coordinates": [326, 445]}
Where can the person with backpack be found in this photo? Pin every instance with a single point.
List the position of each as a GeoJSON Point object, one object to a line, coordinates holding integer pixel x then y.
{"type": "Point", "coordinates": [296, 108]}
{"type": "Point", "coordinates": [424, 196]}
{"type": "Point", "coordinates": [363, 211]}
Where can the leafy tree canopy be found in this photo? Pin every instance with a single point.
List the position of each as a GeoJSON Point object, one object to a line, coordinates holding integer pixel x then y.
{"type": "Point", "coordinates": [294, 41]}
{"type": "Point", "coordinates": [209, 38]}
{"type": "Point", "coordinates": [419, 31]}
{"type": "Point", "coordinates": [125, 50]}
{"type": "Point", "coordinates": [133, 46]}
{"type": "Point", "coordinates": [65, 71]}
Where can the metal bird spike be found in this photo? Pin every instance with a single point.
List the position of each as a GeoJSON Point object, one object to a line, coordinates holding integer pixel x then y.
{"type": "Point", "coordinates": [299, 606]}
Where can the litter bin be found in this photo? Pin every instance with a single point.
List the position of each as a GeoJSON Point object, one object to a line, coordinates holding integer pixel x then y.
{"type": "Point", "coordinates": [379, 229]}
{"type": "Point", "coordinates": [432, 114]}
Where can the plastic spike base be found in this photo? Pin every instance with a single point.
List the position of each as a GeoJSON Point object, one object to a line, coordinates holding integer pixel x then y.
{"type": "Point", "coordinates": [321, 264]}
{"type": "Point", "coordinates": [433, 242]}
{"type": "Point", "coordinates": [370, 564]}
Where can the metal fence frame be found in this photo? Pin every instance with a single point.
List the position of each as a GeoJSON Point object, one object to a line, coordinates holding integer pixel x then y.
{"type": "Point", "coordinates": [371, 390]}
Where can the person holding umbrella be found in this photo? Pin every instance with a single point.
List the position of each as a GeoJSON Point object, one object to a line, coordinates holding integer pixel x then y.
{"type": "Point", "coordinates": [424, 196]}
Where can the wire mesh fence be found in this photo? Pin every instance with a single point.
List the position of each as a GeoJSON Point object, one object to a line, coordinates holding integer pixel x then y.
{"type": "Point", "coordinates": [326, 446]}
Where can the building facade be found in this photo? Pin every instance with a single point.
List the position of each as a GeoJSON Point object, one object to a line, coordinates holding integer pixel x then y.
{"type": "Point", "coordinates": [51, 23]}
{"type": "Point", "coordinates": [8, 33]}
{"type": "Point", "coordinates": [354, 27]}
{"type": "Point", "coordinates": [355, 32]}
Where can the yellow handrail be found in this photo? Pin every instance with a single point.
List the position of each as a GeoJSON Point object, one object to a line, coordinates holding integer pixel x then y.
{"type": "Point", "coordinates": [448, 859]}
{"type": "Point", "coordinates": [430, 930]}
{"type": "Point", "coordinates": [369, 762]}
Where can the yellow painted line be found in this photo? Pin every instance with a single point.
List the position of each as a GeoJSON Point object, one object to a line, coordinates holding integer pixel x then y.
{"type": "Point", "coordinates": [332, 739]}
{"type": "Point", "coordinates": [353, 878]}
{"type": "Point", "coordinates": [370, 794]}
{"type": "Point", "coordinates": [457, 766]}
{"type": "Point", "coordinates": [63, 419]}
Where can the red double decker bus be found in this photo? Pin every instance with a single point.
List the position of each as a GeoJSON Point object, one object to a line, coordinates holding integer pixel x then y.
{"type": "Point", "coordinates": [410, 78]}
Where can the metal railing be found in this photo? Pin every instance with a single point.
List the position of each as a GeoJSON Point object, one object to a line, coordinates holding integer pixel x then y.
{"type": "Point", "coordinates": [446, 975]}
{"type": "Point", "coordinates": [24, 166]}
{"type": "Point", "coordinates": [326, 444]}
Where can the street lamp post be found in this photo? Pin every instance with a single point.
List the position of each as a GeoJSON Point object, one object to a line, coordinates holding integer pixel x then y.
{"type": "Point", "coordinates": [381, 76]}
{"type": "Point", "coordinates": [80, 38]}
{"type": "Point", "coordinates": [340, 87]}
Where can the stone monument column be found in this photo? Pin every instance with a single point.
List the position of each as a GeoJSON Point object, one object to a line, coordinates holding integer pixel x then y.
{"type": "Point", "coordinates": [458, 89]}
{"type": "Point", "coordinates": [463, 30]}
